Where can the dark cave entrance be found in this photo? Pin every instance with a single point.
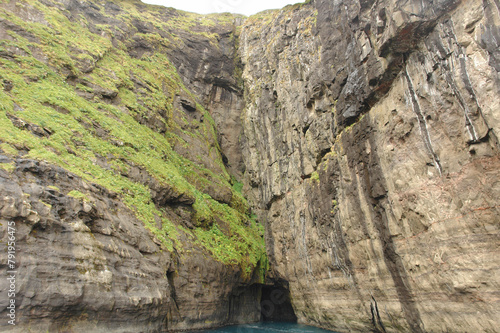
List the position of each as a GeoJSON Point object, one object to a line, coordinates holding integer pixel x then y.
{"type": "Point", "coordinates": [275, 304]}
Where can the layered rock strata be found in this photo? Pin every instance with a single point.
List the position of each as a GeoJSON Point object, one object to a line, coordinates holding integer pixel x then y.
{"type": "Point", "coordinates": [371, 149]}
{"type": "Point", "coordinates": [366, 134]}
{"type": "Point", "coordinates": [127, 218]}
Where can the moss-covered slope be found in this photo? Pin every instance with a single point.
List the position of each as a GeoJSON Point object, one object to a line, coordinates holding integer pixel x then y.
{"type": "Point", "coordinates": [88, 86]}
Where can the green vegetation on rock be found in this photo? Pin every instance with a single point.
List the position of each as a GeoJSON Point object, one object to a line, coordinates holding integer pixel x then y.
{"type": "Point", "coordinates": [84, 97]}
{"type": "Point", "coordinates": [78, 195]}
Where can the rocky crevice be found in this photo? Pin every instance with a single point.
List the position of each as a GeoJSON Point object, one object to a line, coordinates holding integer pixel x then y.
{"type": "Point", "coordinates": [422, 123]}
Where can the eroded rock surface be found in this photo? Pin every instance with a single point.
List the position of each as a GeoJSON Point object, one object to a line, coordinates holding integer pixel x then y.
{"type": "Point", "coordinates": [366, 133]}
{"type": "Point", "coordinates": [112, 168]}
{"type": "Point", "coordinates": [371, 149]}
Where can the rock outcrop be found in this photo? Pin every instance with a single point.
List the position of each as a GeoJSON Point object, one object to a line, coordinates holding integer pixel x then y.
{"type": "Point", "coordinates": [126, 217]}
{"type": "Point", "coordinates": [364, 133]}
{"type": "Point", "coordinates": [371, 149]}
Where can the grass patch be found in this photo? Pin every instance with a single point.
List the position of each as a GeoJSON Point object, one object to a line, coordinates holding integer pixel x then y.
{"type": "Point", "coordinates": [78, 195]}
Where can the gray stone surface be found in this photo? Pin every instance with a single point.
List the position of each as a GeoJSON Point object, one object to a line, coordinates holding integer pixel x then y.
{"type": "Point", "coordinates": [371, 150]}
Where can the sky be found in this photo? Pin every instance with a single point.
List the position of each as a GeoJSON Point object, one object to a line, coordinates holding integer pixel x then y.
{"type": "Point", "coordinates": [245, 7]}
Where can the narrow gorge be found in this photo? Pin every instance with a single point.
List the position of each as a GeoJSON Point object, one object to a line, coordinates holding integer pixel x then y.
{"type": "Point", "coordinates": [333, 162]}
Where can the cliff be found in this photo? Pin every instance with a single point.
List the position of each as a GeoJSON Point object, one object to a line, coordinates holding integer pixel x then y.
{"type": "Point", "coordinates": [127, 219]}
{"type": "Point", "coordinates": [371, 148]}
{"type": "Point", "coordinates": [363, 133]}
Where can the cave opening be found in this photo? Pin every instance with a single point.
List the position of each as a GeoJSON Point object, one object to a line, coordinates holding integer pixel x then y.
{"type": "Point", "coordinates": [275, 303]}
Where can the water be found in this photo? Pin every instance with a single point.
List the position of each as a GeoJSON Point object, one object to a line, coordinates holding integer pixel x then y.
{"type": "Point", "coordinates": [268, 327]}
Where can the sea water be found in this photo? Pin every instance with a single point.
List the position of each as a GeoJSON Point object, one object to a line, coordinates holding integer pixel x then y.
{"type": "Point", "coordinates": [267, 327]}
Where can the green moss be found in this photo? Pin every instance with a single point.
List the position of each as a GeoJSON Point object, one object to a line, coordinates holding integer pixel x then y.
{"type": "Point", "coordinates": [347, 129]}
{"type": "Point", "coordinates": [238, 201]}
{"type": "Point", "coordinates": [9, 167]}
{"type": "Point", "coordinates": [46, 204]}
{"type": "Point", "coordinates": [315, 176]}
{"type": "Point", "coordinates": [261, 19]}
{"type": "Point", "coordinates": [55, 188]}
{"type": "Point", "coordinates": [8, 149]}
{"type": "Point", "coordinates": [244, 245]}
{"type": "Point", "coordinates": [78, 195]}
{"type": "Point", "coordinates": [334, 107]}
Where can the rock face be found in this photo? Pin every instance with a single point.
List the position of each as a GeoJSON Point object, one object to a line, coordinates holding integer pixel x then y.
{"type": "Point", "coordinates": [111, 168]}
{"type": "Point", "coordinates": [371, 149]}
{"type": "Point", "coordinates": [91, 266]}
{"type": "Point", "coordinates": [365, 134]}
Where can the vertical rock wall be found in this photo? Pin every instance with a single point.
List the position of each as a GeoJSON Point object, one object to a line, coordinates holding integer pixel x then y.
{"type": "Point", "coordinates": [371, 150]}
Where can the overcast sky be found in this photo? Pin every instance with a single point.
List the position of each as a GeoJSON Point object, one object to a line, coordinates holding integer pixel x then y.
{"type": "Point", "coordinates": [246, 7]}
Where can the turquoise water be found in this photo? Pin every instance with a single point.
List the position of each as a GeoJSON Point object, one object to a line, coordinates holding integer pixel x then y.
{"type": "Point", "coordinates": [268, 327]}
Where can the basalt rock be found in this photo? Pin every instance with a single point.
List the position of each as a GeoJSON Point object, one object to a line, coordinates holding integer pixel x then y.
{"type": "Point", "coordinates": [111, 168]}
{"type": "Point", "coordinates": [365, 134]}
{"type": "Point", "coordinates": [371, 150]}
